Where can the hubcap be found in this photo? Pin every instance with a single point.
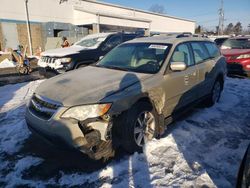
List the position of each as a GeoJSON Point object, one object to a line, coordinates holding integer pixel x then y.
{"type": "Point", "coordinates": [144, 128]}
{"type": "Point", "coordinates": [216, 92]}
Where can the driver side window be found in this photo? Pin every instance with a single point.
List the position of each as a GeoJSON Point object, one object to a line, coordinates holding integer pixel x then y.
{"type": "Point", "coordinates": [187, 55]}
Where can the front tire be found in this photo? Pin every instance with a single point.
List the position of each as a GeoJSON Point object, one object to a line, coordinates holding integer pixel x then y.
{"type": "Point", "coordinates": [138, 126]}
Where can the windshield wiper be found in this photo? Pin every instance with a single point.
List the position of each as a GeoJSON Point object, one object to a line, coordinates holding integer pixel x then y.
{"type": "Point", "coordinates": [115, 67]}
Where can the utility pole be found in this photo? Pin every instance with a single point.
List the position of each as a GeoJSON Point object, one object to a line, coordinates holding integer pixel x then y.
{"type": "Point", "coordinates": [28, 26]}
{"type": "Point", "coordinates": [221, 19]}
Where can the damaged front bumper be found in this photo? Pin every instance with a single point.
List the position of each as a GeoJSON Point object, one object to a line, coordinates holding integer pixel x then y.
{"type": "Point", "coordinates": [92, 136]}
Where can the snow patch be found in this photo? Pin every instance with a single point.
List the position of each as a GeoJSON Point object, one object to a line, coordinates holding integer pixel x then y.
{"type": "Point", "coordinates": [7, 64]}
{"type": "Point", "coordinates": [13, 136]}
{"type": "Point", "coordinates": [15, 177]}
{"type": "Point", "coordinates": [204, 150]}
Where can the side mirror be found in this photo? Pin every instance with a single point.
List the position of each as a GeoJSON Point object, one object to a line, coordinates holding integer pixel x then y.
{"type": "Point", "coordinates": [178, 66]}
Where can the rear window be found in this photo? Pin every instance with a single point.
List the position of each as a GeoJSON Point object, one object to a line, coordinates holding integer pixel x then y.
{"type": "Point", "coordinates": [242, 43]}
{"type": "Point", "coordinates": [212, 49]}
{"type": "Point", "coordinates": [200, 52]}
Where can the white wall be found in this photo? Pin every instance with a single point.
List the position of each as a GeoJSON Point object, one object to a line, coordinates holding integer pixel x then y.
{"type": "Point", "coordinates": [39, 10]}
{"type": "Point", "coordinates": [51, 11]}
{"type": "Point", "coordinates": [159, 23]}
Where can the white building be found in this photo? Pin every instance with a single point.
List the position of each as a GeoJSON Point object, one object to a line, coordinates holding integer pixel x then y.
{"type": "Point", "coordinates": [94, 15]}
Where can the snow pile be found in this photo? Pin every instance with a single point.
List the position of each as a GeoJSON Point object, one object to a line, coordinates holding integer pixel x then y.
{"type": "Point", "coordinates": [15, 177]}
{"type": "Point", "coordinates": [7, 64]}
{"type": "Point", "coordinates": [13, 128]}
{"type": "Point", "coordinates": [202, 150]}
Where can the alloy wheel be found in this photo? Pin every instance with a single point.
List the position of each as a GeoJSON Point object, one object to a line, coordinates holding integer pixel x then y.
{"type": "Point", "coordinates": [144, 128]}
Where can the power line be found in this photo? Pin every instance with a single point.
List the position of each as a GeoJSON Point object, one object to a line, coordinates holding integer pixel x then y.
{"type": "Point", "coordinates": [221, 19]}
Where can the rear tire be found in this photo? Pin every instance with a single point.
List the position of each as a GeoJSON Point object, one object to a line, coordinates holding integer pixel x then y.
{"type": "Point", "coordinates": [137, 126]}
{"type": "Point", "coordinates": [215, 94]}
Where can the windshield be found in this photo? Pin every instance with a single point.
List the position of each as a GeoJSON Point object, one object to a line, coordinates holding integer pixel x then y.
{"type": "Point", "coordinates": [136, 57]}
{"type": "Point", "coordinates": [236, 44]}
{"type": "Point", "coordinates": [88, 42]}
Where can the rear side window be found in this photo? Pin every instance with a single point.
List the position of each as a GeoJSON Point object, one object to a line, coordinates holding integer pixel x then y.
{"type": "Point", "coordinates": [128, 37]}
{"type": "Point", "coordinates": [114, 41]}
{"type": "Point", "coordinates": [200, 52]}
{"type": "Point", "coordinates": [212, 49]}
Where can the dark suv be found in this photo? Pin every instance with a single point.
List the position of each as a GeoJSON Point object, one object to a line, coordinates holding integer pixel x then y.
{"type": "Point", "coordinates": [84, 52]}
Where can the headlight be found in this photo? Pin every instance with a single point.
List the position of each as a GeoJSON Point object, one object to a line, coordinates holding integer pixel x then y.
{"type": "Point", "coordinates": [65, 60]}
{"type": "Point", "coordinates": [243, 56]}
{"type": "Point", "coordinates": [86, 111]}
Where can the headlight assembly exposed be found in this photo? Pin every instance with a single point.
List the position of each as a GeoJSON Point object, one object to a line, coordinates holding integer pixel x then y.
{"type": "Point", "coordinates": [86, 111]}
{"type": "Point", "coordinates": [243, 56]}
{"type": "Point", "coordinates": [65, 60]}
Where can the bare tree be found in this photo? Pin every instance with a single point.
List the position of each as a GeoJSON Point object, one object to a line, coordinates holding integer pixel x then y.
{"type": "Point", "coordinates": [229, 29]}
{"type": "Point", "coordinates": [237, 28]}
{"type": "Point", "coordinates": [198, 29]}
{"type": "Point", "coordinates": [157, 8]}
{"type": "Point", "coordinates": [62, 1]}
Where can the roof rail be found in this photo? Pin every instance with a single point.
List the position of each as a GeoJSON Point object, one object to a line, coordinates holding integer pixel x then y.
{"type": "Point", "coordinates": [188, 34]}
{"type": "Point", "coordinates": [184, 34]}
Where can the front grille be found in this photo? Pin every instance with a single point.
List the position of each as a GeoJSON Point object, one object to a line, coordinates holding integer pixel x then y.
{"type": "Point", "coordinates": [48, 59]}
{"type": "Point", "coordinates": [43, 108]}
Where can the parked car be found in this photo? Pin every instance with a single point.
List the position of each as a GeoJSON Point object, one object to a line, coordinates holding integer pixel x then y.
{"type": "Point", "coordinates": [84, 52]}
{"type": "Point", "coordinates": [219, 41]}
{"type": "Point", "coordinates": [243, 180]}
{"type": "Point", "coordinates": [129, 96]}
{"type": "Point", "coordinates": [237, 53]}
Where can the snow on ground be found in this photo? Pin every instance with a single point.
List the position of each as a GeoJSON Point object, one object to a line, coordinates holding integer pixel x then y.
{"type": "Point", "coordinates": [203, 149]}
{"type": "Point", "coordinates": [7, 64]}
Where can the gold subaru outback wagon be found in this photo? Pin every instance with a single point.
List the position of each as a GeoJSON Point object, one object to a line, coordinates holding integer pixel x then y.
{"type": "Point", "coordinates": [129, 96]}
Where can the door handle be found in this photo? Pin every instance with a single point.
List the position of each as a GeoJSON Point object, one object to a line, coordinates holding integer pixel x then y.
{"type": "Point", "coordinates": [186, 78]}
{"type": "Point", "coordinates": [192, 74]}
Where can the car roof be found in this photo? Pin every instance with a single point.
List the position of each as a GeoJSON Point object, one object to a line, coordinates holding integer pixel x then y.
{"type": "Point", "coordinates": [99, 35]}
{"type": "Point", "coordinates": [241, 37]}
{"type": "Point", "coordinates": [168, 39]}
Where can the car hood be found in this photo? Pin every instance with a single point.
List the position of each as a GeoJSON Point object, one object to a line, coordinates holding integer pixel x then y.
{"type": "Point", "coordinates": [234, 52]}
{"type": "Point", "coordinates": [61, 52]}
{"type": "Point", "coordinates": [87, 85]}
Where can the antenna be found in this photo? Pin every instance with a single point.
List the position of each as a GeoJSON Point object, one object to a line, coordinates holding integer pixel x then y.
{"type": "Point", "coordinates": [221, 19]}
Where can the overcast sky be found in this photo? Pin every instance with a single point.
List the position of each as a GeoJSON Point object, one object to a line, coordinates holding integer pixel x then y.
{"type": "Point", "coordinates": [204, 12]}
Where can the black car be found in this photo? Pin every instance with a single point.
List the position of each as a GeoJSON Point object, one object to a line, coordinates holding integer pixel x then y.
{"type": "Point", "coordinates": [220, 41]}
{"type": "Point", "coordinates": [84, 52]}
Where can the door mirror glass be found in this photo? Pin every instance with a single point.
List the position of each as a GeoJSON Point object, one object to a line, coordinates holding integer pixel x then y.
{"type": "Point", "coordinates": [178, 66]}
{"type": "Point", "coordinates": [178, 61]}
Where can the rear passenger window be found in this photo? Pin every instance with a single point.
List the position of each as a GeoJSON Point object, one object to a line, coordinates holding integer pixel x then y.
{"type": "Point", "coordinates": [200, 52]}
{"type": "Point", "coordinates": [187, 56]}
{"type": "Point", "coordinates": [114, 41]}
{"type": "Point", "coordinates": [212, 49]}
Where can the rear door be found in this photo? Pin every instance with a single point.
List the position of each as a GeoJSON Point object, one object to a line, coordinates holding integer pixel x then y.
{"type": "Point", "coordinates": [205, 57]}
{"type": "Point", "coordinates": [180, 85]}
